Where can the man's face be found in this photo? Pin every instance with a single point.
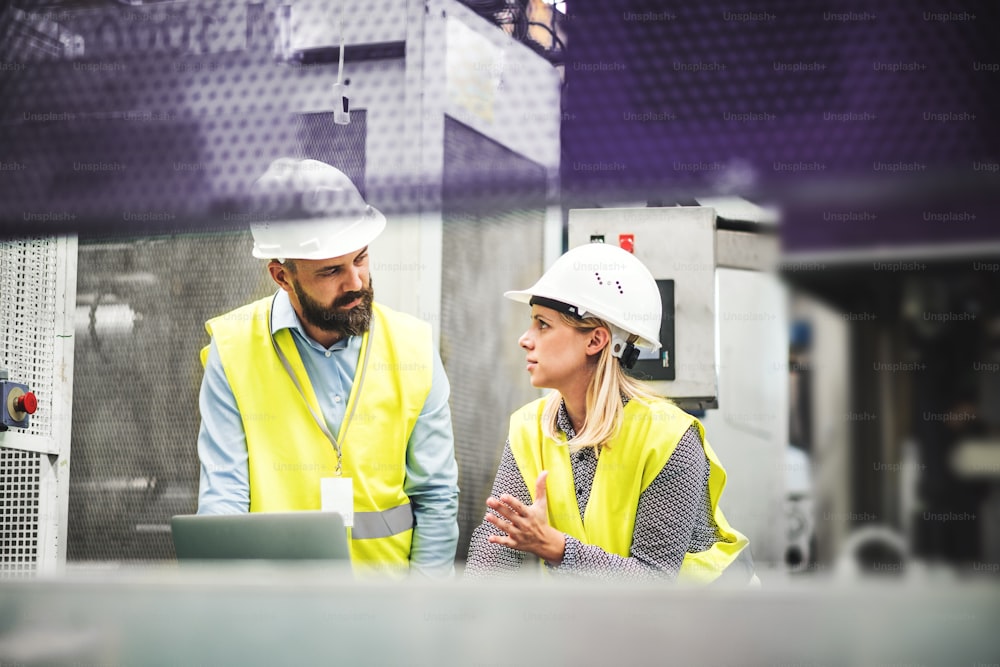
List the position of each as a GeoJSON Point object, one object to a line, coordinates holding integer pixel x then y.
{"type": "Point", "coordinates": [335, 294]}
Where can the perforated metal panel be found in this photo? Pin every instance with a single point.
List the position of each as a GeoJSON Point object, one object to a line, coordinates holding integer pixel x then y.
{"type": "Point", "coordinates": [141, 309]}
{"type": "Point", "coordinates": [343, 147]}
{"type": "Point", "coordinates": [20, 491]}
{"type": "Point", "coordinates": [37, 282]}
{"type": "Point", "coordinates": [27, 311]}
{"type": "Point", "coordinates": [28, 271]}
{"type": "Point", "coordinates": [485, 253]}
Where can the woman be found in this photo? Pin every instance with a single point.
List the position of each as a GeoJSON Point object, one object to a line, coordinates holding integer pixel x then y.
{"type": "Point", "coordinates": [601, 477]}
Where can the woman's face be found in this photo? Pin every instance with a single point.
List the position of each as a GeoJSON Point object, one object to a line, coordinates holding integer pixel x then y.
{"type": "Point", "coordinates": [557, 354]}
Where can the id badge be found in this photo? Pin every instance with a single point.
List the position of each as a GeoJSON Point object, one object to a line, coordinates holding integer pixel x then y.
{"type": "Point", "coordinates": [337, 495]}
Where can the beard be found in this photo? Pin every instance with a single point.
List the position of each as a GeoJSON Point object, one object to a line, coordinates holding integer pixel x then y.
{"type": "Point", "coordinates": [353, 322]}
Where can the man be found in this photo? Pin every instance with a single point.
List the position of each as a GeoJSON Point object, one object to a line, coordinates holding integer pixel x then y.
{"type": "Point", "coordinates": [319, 382]}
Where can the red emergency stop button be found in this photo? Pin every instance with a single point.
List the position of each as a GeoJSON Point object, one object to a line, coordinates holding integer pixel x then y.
{"type": "Point", "coordinates": [26, 403]}
{"type": "Point", "coordinates": [627, 242]}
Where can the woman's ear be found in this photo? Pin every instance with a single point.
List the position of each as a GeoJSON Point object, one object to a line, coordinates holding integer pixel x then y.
{"type": "Point", "coordinates": [598, 340]}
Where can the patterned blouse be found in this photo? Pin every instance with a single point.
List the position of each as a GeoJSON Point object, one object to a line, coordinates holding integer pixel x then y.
{"type": "Point", "coordinates": [673, 518]}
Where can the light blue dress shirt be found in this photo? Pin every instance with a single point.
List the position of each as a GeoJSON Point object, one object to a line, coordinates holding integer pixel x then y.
{"type": "Point", "coordinates": [431, 471]}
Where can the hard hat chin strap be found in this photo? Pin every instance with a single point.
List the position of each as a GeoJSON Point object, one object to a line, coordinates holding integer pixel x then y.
{"type": "Point", "coordinates": [623, 347]}
{"type": "Point", "coordinates": [630, 355]}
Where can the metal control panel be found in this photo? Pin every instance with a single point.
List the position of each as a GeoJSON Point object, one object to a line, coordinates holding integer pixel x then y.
{"type": "Point", "coordinates": [677, 245]}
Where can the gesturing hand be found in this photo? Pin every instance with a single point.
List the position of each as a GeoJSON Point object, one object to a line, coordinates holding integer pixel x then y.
{"type": "Point", "coordinates": [527, 526]}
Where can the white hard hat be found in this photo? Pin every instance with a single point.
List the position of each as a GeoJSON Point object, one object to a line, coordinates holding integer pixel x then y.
{"type": "Point", "coordinates": [604, 281]}
{"type": "Point", "coordinates": [308, 209]}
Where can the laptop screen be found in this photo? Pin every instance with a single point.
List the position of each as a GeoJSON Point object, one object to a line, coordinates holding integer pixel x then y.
{"type": "Point", "coordinates": [260, 536]}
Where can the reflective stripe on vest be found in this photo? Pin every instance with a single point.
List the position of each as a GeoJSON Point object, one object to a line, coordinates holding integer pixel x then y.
{"type": "Point", "coordinates": [648, 435]}
{"type": "Point", "coordinates": [371, 525]}
{"type": "Point", "coordinates": [288, 453]}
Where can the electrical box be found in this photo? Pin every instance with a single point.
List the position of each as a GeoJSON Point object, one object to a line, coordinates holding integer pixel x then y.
{"type": "Point", "coordinates": [677, 245]}
{"type": "Point", "coordinates": [309, 31]}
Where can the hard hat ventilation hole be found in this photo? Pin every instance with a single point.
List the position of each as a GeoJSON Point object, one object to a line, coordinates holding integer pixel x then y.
{"type": "Point", "coordinates": [598, 276]}
{"type": "Point", "coordinates": [620, 290]}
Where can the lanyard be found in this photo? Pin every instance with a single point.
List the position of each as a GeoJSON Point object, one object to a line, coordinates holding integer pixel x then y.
{"type": "Point", "coordinates": [356, 390]}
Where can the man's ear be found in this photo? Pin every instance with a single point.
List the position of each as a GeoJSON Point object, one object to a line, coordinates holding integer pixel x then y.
{"type": "Point", "coordinates": [598, 340]}
{"type": "Point", "coordinates": [279, 274]}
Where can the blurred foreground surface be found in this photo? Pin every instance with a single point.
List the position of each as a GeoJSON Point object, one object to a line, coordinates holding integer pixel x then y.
{"type": "Point", "coordinates": [257, 614]}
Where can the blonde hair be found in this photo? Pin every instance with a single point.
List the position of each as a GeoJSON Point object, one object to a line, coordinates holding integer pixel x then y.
{"type": "Point", "coordinates": [604, 395]}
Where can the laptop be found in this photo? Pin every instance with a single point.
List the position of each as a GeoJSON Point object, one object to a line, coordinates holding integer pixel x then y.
{"type": "Point", "coordinates": [308, 535]}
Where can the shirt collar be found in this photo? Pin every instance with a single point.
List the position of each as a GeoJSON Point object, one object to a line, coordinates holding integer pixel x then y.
{"type": "Point", "coordinates": [566, 426]}
{"type": "Point", "coordinates": [563, 422]}
{"type": "Point", "coordinates": [283, 316]}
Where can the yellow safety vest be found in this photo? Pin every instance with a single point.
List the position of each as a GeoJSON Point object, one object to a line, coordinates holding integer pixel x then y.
{"type": "Point", "coordinates": [288, 453]}
{"type": "Point", "coordinates": [648, 436]}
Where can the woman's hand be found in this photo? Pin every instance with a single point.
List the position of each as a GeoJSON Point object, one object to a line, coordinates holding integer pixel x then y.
{"type": "Point", "coordinates": [527, 527]}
